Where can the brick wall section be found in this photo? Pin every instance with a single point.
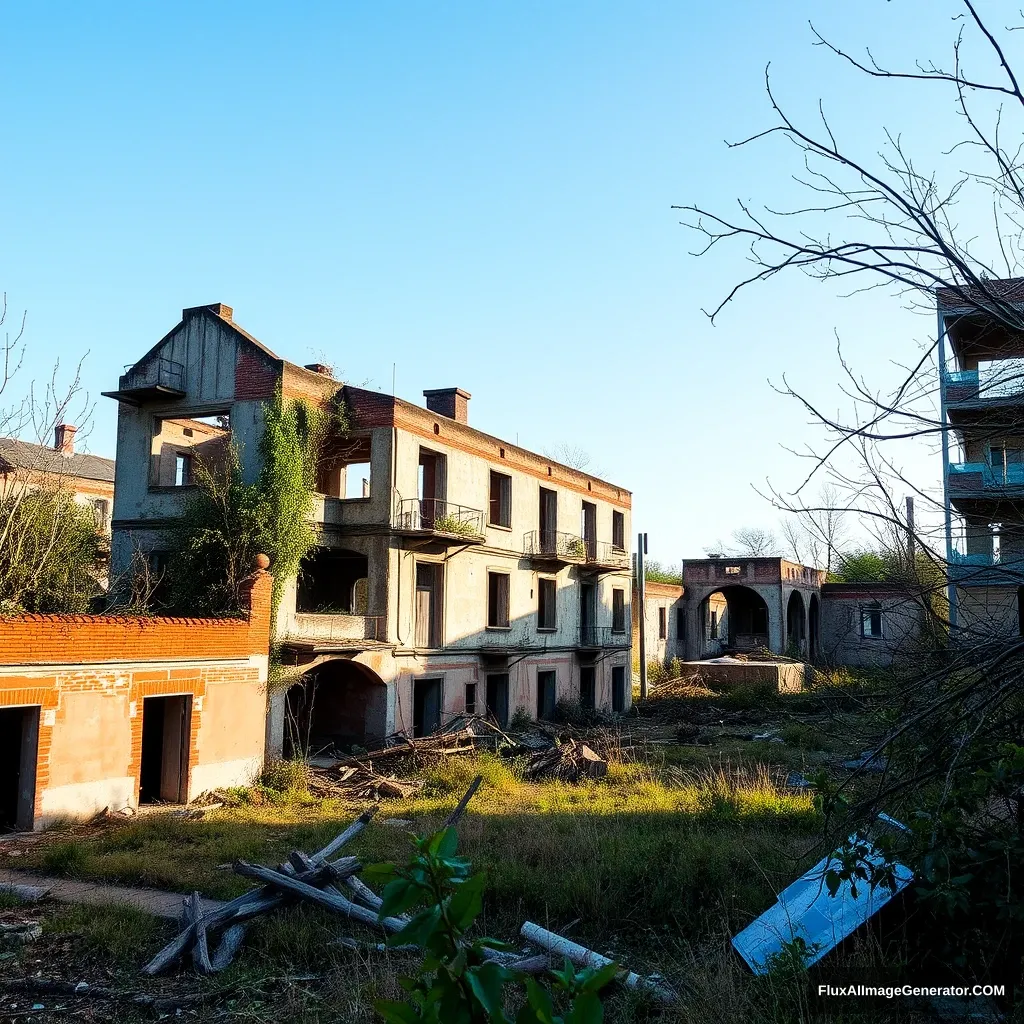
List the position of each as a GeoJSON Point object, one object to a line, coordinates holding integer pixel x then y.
{"type": "Point", "coordinates": [50, 661]}
{"type": "Point", "coordinates": [256, 374]}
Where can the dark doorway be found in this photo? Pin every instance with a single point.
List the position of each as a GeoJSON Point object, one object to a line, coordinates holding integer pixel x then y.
{"type": "Point", "coordinates": [497, 698]}
{"type": "Point", "coordinates": [588, 689]}
{"type": "Point", "coordinates": [166, 738]}
{"type": "Point", "coordinates": [546, 694]}
{"type": "Point", "coordinates": [428, 604]}
{"type": "Point", "coordinates": [548, 520]}
{"type": "Point", "coordinates": [618, 688]}
{"type": "Point", "coordinates": [796, 626]}
{"type": "Point", "coordinates": [426, 706]}
{"type": "Point", "coordinates": [813, 627]}
{"type": "Point", "coordinates": [332, 581]}
{"type": "Point", "coordinates": [337, 706]}
{"type": "Point", "coordinates": [19, 749]}
{"type": "Point", "coordinates": [1020, 610]}
{"type": "Point", "coordinates": [588, 613]}
{"type": "Point", "coordinates": [744, 625]}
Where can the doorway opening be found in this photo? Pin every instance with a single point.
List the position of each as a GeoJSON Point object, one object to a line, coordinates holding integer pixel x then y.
{"type": "Point", "coordinates": [546, 694]}
{"type": "Point", "coordinates": [19, 748]}
{"type": "Point", "coordinates": [588, 688]}
{"type": "Point", "coordinates": [618, 688]}
{"type": "Point", "coordinates": [426, 706]}
{"type": "Point", "coordinates": [166, 736]}
{"type": "Point", "coordinates": [497, 698]}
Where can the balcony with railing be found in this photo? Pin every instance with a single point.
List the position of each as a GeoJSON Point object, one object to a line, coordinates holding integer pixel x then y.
{"type": "Point", "coordinates": [596, 638]}
{"type": "Point", "coordinates": [603, 556]}
{"type": "Point", "coordinates": [553, 546]}
{"type": "Point", "coordinates": [998, 383]}
{"type": "Point", "coordinates": [156, 380]}
{"type": "Point", "coordinates": [985, 568]}
{"type": "Point", "coordinates": [440, 520]}
{"type": "Point", "coordinates": [979, 479]}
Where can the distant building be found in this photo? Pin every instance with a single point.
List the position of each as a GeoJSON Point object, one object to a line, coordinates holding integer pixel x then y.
{"type": "Point", "coordinates": [454, 572]}
{"type": "Point", "coordinates": [872, 625]}
{"type": "Point", "coordinates": [89, 477]}
{"type": "Point", "coordinates": [664, 622]}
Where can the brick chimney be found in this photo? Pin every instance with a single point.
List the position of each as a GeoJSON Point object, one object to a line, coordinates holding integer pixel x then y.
{"type": "Point", "coordinates": [321, 368]}
{"type": "Point", "coordinates": [216, 308]}
{"type": "Point", "coordinates": [450, 402]}
{"type": "Point", "coordinates": [64, 438]}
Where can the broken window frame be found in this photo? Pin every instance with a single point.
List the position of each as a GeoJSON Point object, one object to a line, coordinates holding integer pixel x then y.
{"type": "Point", "coordinates": [185, 455]}
{"type": "Point", "coordinates": [470, 700]}
{"type": "Point", "coordinates": [499, 506]}
{"type": "Point", "coordinates": [870, 614]}
{"type": "Point", "coordinates": [499, 592]}
{"type": "Point", "coordinates": [662, 623]}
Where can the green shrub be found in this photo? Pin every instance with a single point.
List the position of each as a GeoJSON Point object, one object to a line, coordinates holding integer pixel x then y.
{"type": "Point", "coordinates": [68, 859]}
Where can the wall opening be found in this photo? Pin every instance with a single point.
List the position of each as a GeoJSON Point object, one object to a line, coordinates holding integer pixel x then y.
{"type": "Point", "coordinates": [426, 706]}
{"type": "Point", "coordinates": [332, 581]}
{"type": "Point", "coordinates": [546, 694]}
{"type": "Point", "coordinates": [813, 628]}
{"type": "Point", "coordinates": [184, 446]}
{"type": "Point", "coordinates": [428, 604]}
{"type": "Point", "coordinates": [734, 618]}
{"type": "Point", "coordinates": [19, 750]}
{"type": "Point", "coordinates": [166, 737]}
{"type": "Point", "coordinates": [796, 626]}
{"type": "Point", "coordinates": [344, 469]}
{"type": "Point", "coordinates": [588, 687]}
{"type": "Point", "coordinates": [618, 688]}
{"type": "Point", "coordinates": [338, 705]}
{"type": "Point", "coordinates": [497, 698]}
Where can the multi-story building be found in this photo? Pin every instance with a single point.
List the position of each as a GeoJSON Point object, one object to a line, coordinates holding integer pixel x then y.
{"type": "Point", "coordinates": [454, 572]}
{"type": "Point", "coordinates": [982, 404]}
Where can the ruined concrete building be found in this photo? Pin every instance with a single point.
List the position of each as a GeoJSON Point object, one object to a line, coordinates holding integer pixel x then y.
{"type": "Point", "coordinates": [454, 572]}
{"type": "Point", "coordinates": [982, 392]}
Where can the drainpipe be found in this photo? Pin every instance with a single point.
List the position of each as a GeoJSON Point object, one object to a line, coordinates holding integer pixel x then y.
{"type": "Point", "coordinates": [641, 593]}
{"type": "Point", "coordinates": [950, 588]}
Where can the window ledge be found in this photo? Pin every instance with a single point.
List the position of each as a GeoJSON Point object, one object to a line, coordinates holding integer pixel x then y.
{"type": "Point", "coordinates": [499, 629]}
{"type": "Point", "coordinates": [547, 629]}
{"type": "Point", "coordinates": [499, 526]}
{"type": "Point", "coordinates": [170, 488]}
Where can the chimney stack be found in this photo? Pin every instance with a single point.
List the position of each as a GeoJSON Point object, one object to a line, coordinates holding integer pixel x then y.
{"type": "Point", "coordinates": [321, 368]}
{"type": "Point", "coordinates": [450, 402]}
{"type": "Point", "coordinates": [216, 308]}
{"type": "Point", "coordinates": [64, 438]}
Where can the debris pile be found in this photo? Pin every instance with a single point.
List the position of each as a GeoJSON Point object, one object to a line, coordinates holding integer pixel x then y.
{"type": "Point", "coordinates": [569, 761]}
{"type": "Point", "coordinates": [360, 782]}
{"type": "Point", "coordinates": [212, 938]}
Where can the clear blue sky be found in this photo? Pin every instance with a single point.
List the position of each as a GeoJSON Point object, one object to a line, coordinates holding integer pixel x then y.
{"type": "Point", "coordinates": [479, 193]}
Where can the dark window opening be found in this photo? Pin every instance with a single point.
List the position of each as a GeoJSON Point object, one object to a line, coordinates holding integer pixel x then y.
{"type": "Point", "coordinates": [618, 611]}
{"type": "Point", "coordinates": [548, 520]}
{"type": "Point", "coordinates": [185, 447]}
{"type": "Point", "coordinates": [426, 706]}
{"type": "Point", "coordinates": [344, 469]}
{"type": "Point", "coordinates": [588, 687]}
{"type": "Point", "coordinates": [332, 582]}
{"type": "Point", "coordinates": [428, 604]}
{"type": "Point", "coordinates": [19, 752]}
{"type": "Point", "coordinates": [166, 742]}
{"type": "Point", "coordinates": [662, 623]}
{"type": "Point", "coordinates": [618, 530]}
{"type": "Point", "coordinates": [547, 591]}
{"type": "Point", "coordinates": [618, 688]}
{"type": "Point", "coordinates": [497, 698]}
{"type": "Point", "coordinates": [714, 625]}
{"type": "Point", "coordinates": [500, 513]}
{"type": "Point", "coordinates": [871, 622]}
{"type": "Point", "coordinates": [588, 527]}
{"type": "Point", "coordinates": [470, 698]}
{"type": "Point", "coordinates": [546, 694]}
{"type": "Point", "coordinates": [680, 625]}
{"type": "Point", "coordinates": [432, 486]}
{"type": "Point", "coordinates": [498, 600]}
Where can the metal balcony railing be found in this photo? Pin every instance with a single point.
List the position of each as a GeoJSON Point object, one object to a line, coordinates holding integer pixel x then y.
{"type": "Point", "coordinates": [160, 373]}
{"type": "Point", "coordinates": [993, 382]}
{"type": "Point", "coordinates": [433, 515]}
{"type": "Point", "coordinates": [602, 637]}
{"type": "Point", "coordinates": [979, 476]}
{"type": "Point", "coordinates": [566, 547]}
{"type": "Point", "coordinates": [604, 553]}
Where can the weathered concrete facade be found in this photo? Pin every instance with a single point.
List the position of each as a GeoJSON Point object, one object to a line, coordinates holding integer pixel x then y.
{"type": "Point", "coordinates": [664, 622]}
{"type": "Point", "coordinates": [454, 571]}
{"type": "Point", "coordinates": [872, 625]}
{"type": "Point", "coordinates": [104, 711]}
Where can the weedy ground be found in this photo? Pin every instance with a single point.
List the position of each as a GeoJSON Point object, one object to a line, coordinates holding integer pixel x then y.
{"type": "Point", "coordinates": [657, 865]}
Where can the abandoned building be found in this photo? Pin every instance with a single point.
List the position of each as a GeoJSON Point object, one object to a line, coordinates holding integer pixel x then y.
{"type": "Point", "coordinates": [89, 477]}
{"type": "Point", "coordinates": [454, 572]}
{"type": "Point", "coordinates": [109, 712]}
{"type": "Point", "coordinates": [664, 621]}
{"type": "Point", "coordinates": [751, 604]}
{"type": "Point", "coordinates": [982, 401]}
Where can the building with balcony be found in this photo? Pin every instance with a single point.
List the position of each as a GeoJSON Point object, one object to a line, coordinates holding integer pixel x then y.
{"type": "Point", "coordinates": [982, 401]}
{"type": "Point", "coordinates": [454, 572]}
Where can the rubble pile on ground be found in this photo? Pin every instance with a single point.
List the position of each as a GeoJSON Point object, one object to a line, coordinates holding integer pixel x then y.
{"type": "Point", "coordinates": [359, 782]}
{"type": "Point", "coordinates": [569, 761]}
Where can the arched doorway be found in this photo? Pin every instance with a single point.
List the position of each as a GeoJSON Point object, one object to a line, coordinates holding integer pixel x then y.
{"type": "Point", "coordinates": [734, 618]}
{"type": "Point", "coordinates": [338, 705]}
{"type": "Point", "coordinates": [813, 628]}
{"type": "Point", "coordinates": [796, 626]}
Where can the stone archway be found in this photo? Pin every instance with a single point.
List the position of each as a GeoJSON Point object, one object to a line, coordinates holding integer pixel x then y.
{"type": "Point", "coordinates": [745, 623]}
{"type": "Point", "coordinates": [337, 705]}
{"type": "Point", "coordinates": [796, 626]}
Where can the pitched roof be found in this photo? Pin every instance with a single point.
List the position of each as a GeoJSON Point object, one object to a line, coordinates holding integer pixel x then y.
{"type": "Point", "coordinates": [15, 454]}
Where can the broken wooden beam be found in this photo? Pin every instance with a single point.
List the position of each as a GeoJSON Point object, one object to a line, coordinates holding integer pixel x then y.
{"type": "Point", "coordinates": [200, 949]}
{"type": "Point", "coordinates": [460, 808]}
{"type": "Point", "coordinates": [230, 943]}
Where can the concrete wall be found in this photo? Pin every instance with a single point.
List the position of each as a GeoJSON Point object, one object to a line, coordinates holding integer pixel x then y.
{"type": "Point", "coordinates": [842, 635]}
{"type": "Point", "coordinates": [87, 676]}
{"type": "Point", "coordinates": [670, 598]}
{"type": "Point", "coordinates": [988, 613]}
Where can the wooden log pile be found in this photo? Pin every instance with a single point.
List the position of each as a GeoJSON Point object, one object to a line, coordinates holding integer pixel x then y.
{"type": "Point", "coordinates": [569, 761]}
{"type": "Point", "coordinates": [360, 782]}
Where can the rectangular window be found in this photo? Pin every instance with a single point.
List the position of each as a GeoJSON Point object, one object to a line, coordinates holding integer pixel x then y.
{"type": "Point", "coordinates": [871, 622]}
{"type": "Point", "coordinates": [545, 694]}
{"type": "Point", "coordinates": [182, 470]}
{"type": "Point", "coordinates": [501, 500]}
{"type": "Point", "coordinates": [618, 611]}
{"type": "Point", "coordinates": [619, 530]}
{"type": "Point", "coordinates": [588, 527]}
{"type": "Point", "coordinates": [662, 623]}
{"type": "Point", "coordinates": [548, 521]}
{"type": "Point", "coordinates": [470, 698]}
{"type": "Point", "coordinates": [546, 597]}
{"type": "Point", "coordinates": [497, 600]}
{"type": "Point", "coordinates": [101, 511]}
{"type": "Point", "coordinates": [714, 625]}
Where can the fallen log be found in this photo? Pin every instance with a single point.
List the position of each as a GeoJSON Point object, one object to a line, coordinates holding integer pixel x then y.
{"type": "Point", "coordinates": [580, 956]}
{"type": "Point", "coordinates": [230, 943]}
{"type": "Point", "coordinates": [200, 950]}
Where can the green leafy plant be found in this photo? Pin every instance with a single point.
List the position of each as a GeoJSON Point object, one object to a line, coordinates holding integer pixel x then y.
{"type": "Point", "coordinates": [451, 523]}
{"type": "Point", "coordinates": [459, 981]}
{"type": "Point", "coordinates": [576, 547]}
